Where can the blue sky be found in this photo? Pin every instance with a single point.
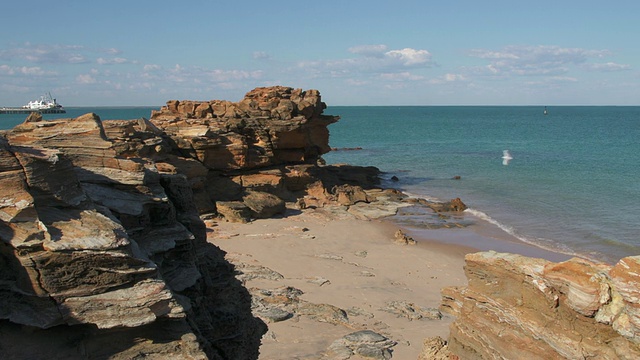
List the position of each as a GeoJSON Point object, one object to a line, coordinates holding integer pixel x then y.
{"type": "Point", "coordinates": [458, 52]}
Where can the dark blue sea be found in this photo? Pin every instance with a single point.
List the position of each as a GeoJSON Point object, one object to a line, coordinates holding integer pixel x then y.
{"type": "Point", "coordinates": [572, 185]}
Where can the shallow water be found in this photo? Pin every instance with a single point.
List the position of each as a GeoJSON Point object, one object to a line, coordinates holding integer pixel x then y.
{"type": "Point", "coordinates": [571, 185]}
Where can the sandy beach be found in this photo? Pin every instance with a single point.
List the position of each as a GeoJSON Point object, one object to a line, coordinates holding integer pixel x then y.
{"type": "Point", "coordinates": [351, 264]}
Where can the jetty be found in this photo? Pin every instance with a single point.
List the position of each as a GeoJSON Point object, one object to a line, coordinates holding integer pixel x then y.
{"type": "Point", "coordinates": [45, 105]}
{"type": "Point", "coordinates": [19, 110]}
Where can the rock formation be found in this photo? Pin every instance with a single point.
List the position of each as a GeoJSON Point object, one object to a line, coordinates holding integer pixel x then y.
{"type": "Point", "coordinates": [516, 307]}
{"type": "Point", "coordinates": [103, 250]}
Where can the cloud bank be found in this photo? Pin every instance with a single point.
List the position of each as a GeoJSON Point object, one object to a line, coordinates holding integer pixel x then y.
{"type": "Point", "coordinates": [400, 72]}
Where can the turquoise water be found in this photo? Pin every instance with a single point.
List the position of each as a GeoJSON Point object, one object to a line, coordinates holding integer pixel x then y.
{"type": "Point", "coordinates": [572, 185]}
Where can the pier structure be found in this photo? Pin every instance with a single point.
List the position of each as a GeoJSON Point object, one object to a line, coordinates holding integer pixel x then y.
{"type": "Point", "coordinates": [8, 110]}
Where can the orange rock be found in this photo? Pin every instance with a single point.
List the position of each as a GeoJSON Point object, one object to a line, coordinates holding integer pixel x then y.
{"type": "Point", "coordinates": [516, 307]}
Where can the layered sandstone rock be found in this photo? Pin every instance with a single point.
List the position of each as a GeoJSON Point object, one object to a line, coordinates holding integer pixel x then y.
{"type": "Point", "coordinates": [102, 240]}
{"type": "Point", "coordinates": [270, 126]}
{"type": "Point", "coordinates": [100, 248]}
{"type": "Point", "coordinates": [516, 307]}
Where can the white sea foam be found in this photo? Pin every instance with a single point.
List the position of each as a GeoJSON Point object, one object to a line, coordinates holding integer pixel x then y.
{"type": "Point", "coordinates": [421, 196]}
{"type": "Point", "coordinates": [483, 216]}
{"type": "Point", "coordinates": [542, 243]}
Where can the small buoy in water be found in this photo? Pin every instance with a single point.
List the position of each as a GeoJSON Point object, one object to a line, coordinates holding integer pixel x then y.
{"type": "Point", "coordinates": [457, 177]}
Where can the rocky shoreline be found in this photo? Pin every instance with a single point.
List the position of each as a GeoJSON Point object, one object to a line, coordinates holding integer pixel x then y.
{"type": "Point", "coordinates": [112, 233]}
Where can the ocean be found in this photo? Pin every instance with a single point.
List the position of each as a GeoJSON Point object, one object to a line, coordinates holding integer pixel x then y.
{"type": "Point", "coordinates": [572, 185]}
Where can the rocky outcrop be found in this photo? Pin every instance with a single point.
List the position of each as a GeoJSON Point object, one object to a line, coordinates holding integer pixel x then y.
{"type": "Point", "coordinates": [103, 246]}
{"type": "Point", "coordinates": [270, 126]}
{"type": "Point", "coordinates": [99, 249]}
{"type": "Point", "coordinates": [103, 250]}
{"type": "Point", "coordinates": [519, 307]}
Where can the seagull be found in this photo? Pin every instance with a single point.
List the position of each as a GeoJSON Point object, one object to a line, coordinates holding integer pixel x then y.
{"type": "Point", "coordinates": [506, 157]}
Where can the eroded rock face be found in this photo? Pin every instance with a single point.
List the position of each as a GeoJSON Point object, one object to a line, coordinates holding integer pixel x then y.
{"type": "Point", "coordinates": [519, 307]}
{"type": "Point", "coordinates": [270, 126]}
{"type": "Point", "coordinates": [100, 223]}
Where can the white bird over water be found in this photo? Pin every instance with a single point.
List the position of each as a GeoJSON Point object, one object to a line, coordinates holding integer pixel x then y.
{"type": "Point", "coordinates": [506, 157]}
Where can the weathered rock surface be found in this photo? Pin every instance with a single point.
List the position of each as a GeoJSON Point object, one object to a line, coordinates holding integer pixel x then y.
{"type": "Point", "coordinates": [270, 126]}
{"type": "Point", "coordinates": [102, 240]}
{"type": "Point", "coordinates": [412, 311]}
{"type": "Point", "coordinates": [436, 348]}
{"type": "Point", "coordinates": [519, 307]}
{"type": "Point", "coordinates": [365, 343]}
{"type": "Point", "coordinates": [403, 239]}
{"type": "Point", "coordinates": [103, 247]}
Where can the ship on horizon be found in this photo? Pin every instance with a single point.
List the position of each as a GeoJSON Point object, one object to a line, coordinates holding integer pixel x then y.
{"type": "Point", "coordinates": [46, 104]}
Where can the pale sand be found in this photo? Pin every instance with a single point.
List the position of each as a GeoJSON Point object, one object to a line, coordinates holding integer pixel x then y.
{"type": "Point", "coordinates": [365, 270]}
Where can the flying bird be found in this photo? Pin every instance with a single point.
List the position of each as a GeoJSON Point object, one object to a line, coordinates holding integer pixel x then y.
{"type": "Point", "coordinates": [506, 157]}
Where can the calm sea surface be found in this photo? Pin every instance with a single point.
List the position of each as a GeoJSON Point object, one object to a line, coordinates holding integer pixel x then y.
{"type": "Point", "coordinates": [573, 183]}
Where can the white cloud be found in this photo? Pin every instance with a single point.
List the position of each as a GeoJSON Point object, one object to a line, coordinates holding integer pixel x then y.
{"type": "Point", "coordinates": [180, 79]}
{"type": "Point", "coordinates": [410, 57]}
{"type": "Point", "coordinates": [449, 79]}
{"type": "Point", "coordinates": [46, 53]}
{"type": "Point", "coordinates": [113, 61]}
{"type": "Point", "coordinates": [552, 80]}
{"type": "Point", "coordinates": [374, 61]}
{"type": "Point", "coordinates": [609, 66]}
{"type": "Point", "coordinates": [25, 70]}
{"type": "Point", "coordinates": [356, 82]}
{"type": "Point", "coordinates": [6, 69]}
{"type": "Point", "coordinates": [534, 60]}
{"type": "Point", "coordinates": [260, 55]}
{"type": "Point", "coordinates": [113, 51]}
{"type": "Point", "coordinates": [454, 77]}
{"type": "Point", "coordinates": [31, 71]}
{"type": "Point", "coordinates": [85, 79]}
{"type": "Point", "coordinates": [488, 54]}
{"type": "Point", "coordinates": [369, 50]}
{"type": "Point", "coordinates": [151, 67]}
{"type": "Point", "coordinates": [61, 54]}
{"type": "Point", "coordinates": [403, 76]}
{"type": "Point", "coordinates": [195, 73]}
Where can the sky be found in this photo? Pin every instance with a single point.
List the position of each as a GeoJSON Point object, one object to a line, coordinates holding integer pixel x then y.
{"type": "Point", "coordinates": [375, 52]}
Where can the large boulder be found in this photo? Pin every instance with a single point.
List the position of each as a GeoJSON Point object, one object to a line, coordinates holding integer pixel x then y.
{"type": "Point", "coordinates": [264, 205]}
